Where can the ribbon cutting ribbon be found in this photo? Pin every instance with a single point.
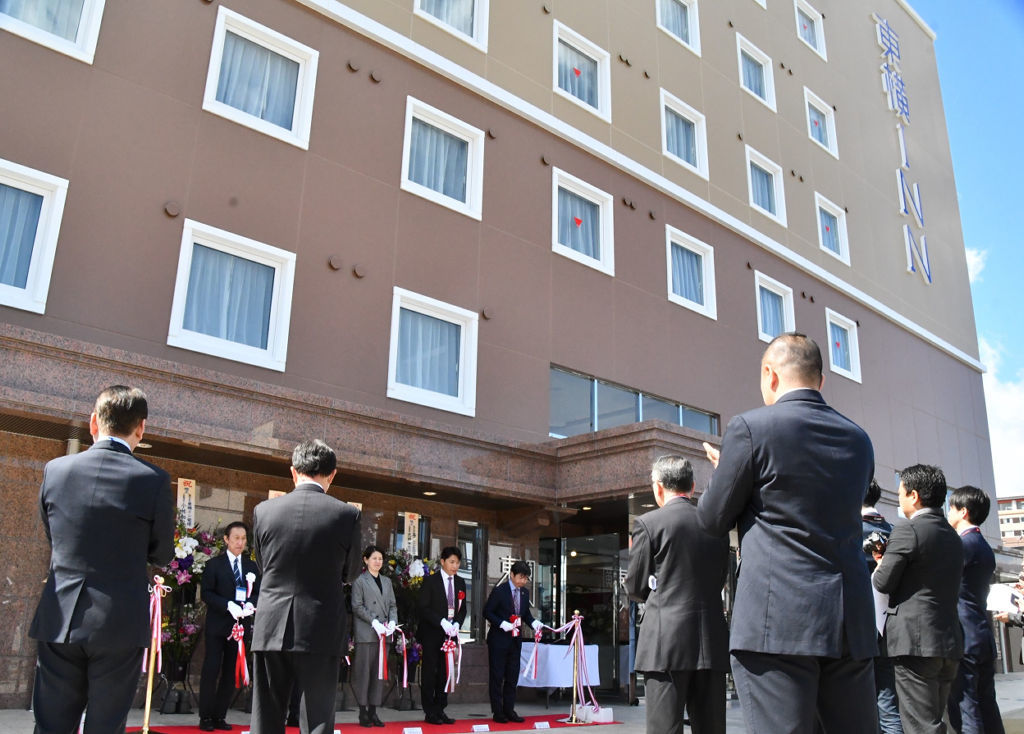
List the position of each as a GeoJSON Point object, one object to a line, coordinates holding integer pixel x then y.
{"type": "Point", "coordinates": [575, 643]}
{"type": "Point", "coordinates": [453, 662]}
{"type": "Point", "coordinates": [241, 669]}
{"type": "Point", "coordinates": [382, 656]}
{"type": "Point", "coordinates": [156, 620]}
{"type": "Point", "coordinates": [530, 671]}
{"type": "Point", "coordinates": [405, 658]}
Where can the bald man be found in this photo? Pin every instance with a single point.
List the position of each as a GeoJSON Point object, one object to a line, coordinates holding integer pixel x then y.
{"type": "Point", "coordinates": [791, 477]}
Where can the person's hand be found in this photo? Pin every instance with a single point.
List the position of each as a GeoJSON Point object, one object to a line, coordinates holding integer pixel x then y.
{"type": "Point", "coordinates": [877, 556]}
{"type": "Point", "coordinates": [712, 453]}
{"type": "Point", "coordinates": [389, 628]}
{"type": "Point", "coordinates": [377, 627]}
{"type": "Point", "coordinates": [447, 627]}
{"type": "Point", "coordinates": [248, 610]}
{"type": "Point", "coordinates": [537, 624]}
{"type": "Point", "coordinates": [1003, 617]}
{"type": "Point", "coordinates": [507, 626]}
{"type": "Point", "coordinates": [234, 610]}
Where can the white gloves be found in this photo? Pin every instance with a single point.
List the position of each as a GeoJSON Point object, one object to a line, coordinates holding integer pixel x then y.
{"type": "Point", "coordinates": [451, 629]}
{"type": "Point", "coordinates": [248, 610]}
{"type": "Point", "coordinates": [455, 628]}
{"type": "Point", "coordinates": [234, 610]}
{"type": "Point", "coordinates": [507, 626]}
{"type": "Point", "coordinates": [537, 625]}
{"type": "Point", "coordinates": [389, 628]}
{"type": "Point", "coordinates": [377, 627]}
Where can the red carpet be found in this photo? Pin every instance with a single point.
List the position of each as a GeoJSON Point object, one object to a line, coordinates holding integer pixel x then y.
{"type": "Point", "coordinates": [462, 726]}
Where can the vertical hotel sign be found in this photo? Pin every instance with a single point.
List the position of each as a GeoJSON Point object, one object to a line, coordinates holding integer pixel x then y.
{"type": "Point", "coordinates": [411, 537]}
{"type": "Point", "coordinates": [909, 194]}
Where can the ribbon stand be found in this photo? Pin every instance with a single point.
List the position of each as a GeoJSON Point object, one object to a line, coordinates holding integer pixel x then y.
{"type": "Point", "coordinates": [157, 592]}
{"type": "Point", "coordinates": [575, 668]}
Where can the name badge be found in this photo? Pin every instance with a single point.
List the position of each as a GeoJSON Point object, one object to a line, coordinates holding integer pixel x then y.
{"type": "Point", "coordinates": [241, 593]}
{"type": "Point", "coordinates": [451, 612]}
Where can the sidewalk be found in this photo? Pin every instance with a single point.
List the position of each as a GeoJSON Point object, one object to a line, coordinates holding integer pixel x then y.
{"type": "Point", "coordinates": [1009, 689]}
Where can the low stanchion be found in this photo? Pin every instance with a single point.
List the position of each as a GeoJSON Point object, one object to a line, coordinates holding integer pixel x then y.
{"type": "Point", "coordinates": [155, 653]}
{"type": "Point", "coordinates": [575, 669]}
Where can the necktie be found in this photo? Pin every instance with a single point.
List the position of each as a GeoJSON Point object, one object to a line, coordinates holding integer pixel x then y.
{"type": "Point", "coordinates": [451, 593]}
{"type": "Point", "coordinates": [515, 601]}
{"type": "Point", "coordinates": [238, 575]}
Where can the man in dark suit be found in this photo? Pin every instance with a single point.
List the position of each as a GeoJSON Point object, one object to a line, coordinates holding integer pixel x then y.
{"type": "Point", "coordinates": [508, 611]}
{"type": "Point", "coordinates": [106, 514]}
{"type": "Point", "coordinates": [679, 571]}
{"type": "Point", "coordinates": [920, 571]}
{"type": "Point", "coordinates": [972, 700]}
{"type": "Point", "coordinates": [307, 545]}
{"type": "Point", "coordinates": [226, 592]}
{"type": "Point", "coordinates": [442, 610]}
{"type": "Point", "coordinates": [792, 476]}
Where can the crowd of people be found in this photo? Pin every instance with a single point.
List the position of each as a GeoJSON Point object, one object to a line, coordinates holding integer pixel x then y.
{"type": "Point", "coordinates": [841, 622]}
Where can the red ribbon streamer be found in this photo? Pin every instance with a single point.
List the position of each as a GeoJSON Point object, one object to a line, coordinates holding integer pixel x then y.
{"type": "Point", "coordinates": [382, 657]}
{"type": "Point", "coordinates": [156, 620]}
{"type": "Point", "coordinates": [241, 669]}
{"type": "Point", "coordinates": [530, 671]}
{"type": "Point", "coordinates": [576, 644]}
{"type": "Point", "coordinates": [453, 663]}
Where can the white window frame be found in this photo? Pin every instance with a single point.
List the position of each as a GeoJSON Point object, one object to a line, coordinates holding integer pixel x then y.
{"type": "Point", "coordinates": [742, 44]}
{"type": "Point", "coordinates": [700, 132]}
{"type": "Point", "coordinates": [762, 3]}
{"type": "Point", "coordinates": [813, 100]}
{"type": "Point", "coordinates": [820, 202]}
{"type": "Point", "coordinates": [283, 262]}
{"type": "Point", "coordinates": [54, 191]}
{"type": "Point", "coordinates": [819, 26]}
{"type": "Point", "coordinates": [481, 13]}
{"type": "Point", "coordinates": [832, 317]}
{"type": "Point", "coordinates": [465, 402]}
{"type": "Point", "coordinates": [564, 33]}
{"type": "Point", "coordinates": [604, 201]}
{"type": "Point", "coordinates": [788, 315]}
{"type": "Point", "coordinates": [679, 238]}
{"type": "Point", "coordinates": [474, 204]}
{"type": "Point", "coordinates": [693, 19]}
{"type": "Point", "coordinates": [83, 48]}
{"type": "Point", "coordinates": [305, 85]}
{"type": "Point", "coordinates": [780, 194]}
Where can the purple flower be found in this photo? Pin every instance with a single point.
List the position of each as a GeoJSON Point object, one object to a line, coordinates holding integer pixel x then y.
{"type": "Point", "coordinates": [183, 577]}
{"type": "Point", "coordinates": [185, 563]}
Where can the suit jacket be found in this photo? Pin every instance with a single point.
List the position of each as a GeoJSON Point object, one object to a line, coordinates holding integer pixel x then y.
{"type": "Point", "coordinates": [306, 541]}
{"type": "Point", "coordinates": [218, 588]}
{"type": "Point", "coordinates": [921, 572]}
{"type": "Point", "coordinates": [499, 608]}
{"type": "Point", "coordinates": [106, 514]}
{"type": "Point", "coordinates": [972, 606]}
{"type": "Point", "coordinates": [792, 477]}
{"type": "Point", "coordinates": [432, 607]}
{"type": "Point", "coordinates": [874, 522]}
{"type": "Point", "coordinates": [684, 624]}
{"type": "Point", "coordinates": [370, 603]}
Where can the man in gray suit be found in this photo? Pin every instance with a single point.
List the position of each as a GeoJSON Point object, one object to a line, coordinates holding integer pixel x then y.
{"type": "Point", "coordinates": [920, 571]}
{"type": "Point", "coordinates": [105, 513]}
{"type": "Point", "coordinates": [306, 544]}
{"type": "Point", "coordinates": [791, 476]}
{"type": "Point", "coordinates": [679, 571]}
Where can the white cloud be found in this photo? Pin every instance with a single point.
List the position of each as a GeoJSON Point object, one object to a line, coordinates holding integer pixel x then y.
{"type": "Point", "coordinates": [1004, 400]}
{"type": "Point", "coordinates": [975, 263]}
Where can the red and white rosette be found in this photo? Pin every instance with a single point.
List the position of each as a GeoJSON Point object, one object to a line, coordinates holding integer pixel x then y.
{"type": "Point", "coordinates": [157, 591]}
{"type": "Point", "coordinates": [530, 671]}
{"type": "Point", "coordinates": [517, 624]}
{"type": "Point", "coordinates": [452, 649]}
{"type": "Point", "coordinates": [241, 669]}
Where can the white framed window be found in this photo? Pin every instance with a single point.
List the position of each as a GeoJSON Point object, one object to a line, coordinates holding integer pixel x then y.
{"type": "Point", "coordinates": [681, 20]}
{"type": "Point", "coordinates": [582, 72]}
{"type": "Point", "coordinates": [232, 297]}
{"type": "Point", "coordinates": [432, 357]}
{"type": "Point", "coordinates": [843, 349]}
{"type": "Point", "coordinates": [31, 208]}
{"type": "Point", "coordinates": [261, 79]}
{"type": "Point", "coordinates": [70, 27]}
{"type": "Point", "coordinates": [684, 134]}
{"type": "Point", "coordinates": [821, 122]}
{"type": "Point", "coordinates": [465, 19]}
{"type": "Point", "coordinates": [756, 73]}
{"type": "Point", "coordinates": [764, 181]}
{"type": "Point", "coordinates": [774, 307]}
{"type": "Point", "coordinates": [443, 159]}
{"type": "Point", "coordinates": [831, 219]}
{"type": "Point", "coordinates": [810, 27]}
{"type": "Point", "coordinates": [581, 225]}
{"type": "Point", "coordinates": [691, 272]}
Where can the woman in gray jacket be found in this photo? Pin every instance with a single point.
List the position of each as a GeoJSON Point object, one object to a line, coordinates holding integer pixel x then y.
{"type": "Point", "coordinates": [376, 613]}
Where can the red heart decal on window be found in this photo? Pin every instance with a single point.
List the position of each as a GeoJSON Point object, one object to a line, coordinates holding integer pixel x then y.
{"type": "Point", "coordinates": [827, 228]}
{"type": "Point", "coordinates": [837, 345]}
{"type": "Point", "coordinates": [578, 221]}
{"type": "Point", "coordinates": [815, 123]}
{"type": "Point", "coordinates": [576, 71]}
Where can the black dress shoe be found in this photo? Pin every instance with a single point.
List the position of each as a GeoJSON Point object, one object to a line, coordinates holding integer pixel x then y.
{"type": "Point", "coordinates": [446, 719]}
{"type": "Point", "coordinates": [221, 725]}
{"type": "Point", "coordinates": [433, 719]}
{"type": "Point", "coordinates": [513, 716]}
{"type": "Point", "coordinates": [292, 721]}
{"type": "Point", "coordinates": [500, 719]}
{"type": "Point", "coordinates": [206, 725]}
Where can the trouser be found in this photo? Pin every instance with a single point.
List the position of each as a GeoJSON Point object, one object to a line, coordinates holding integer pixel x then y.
{"type": "Point", "coordinates": [366, 684]}
{"type": "Point", "coordinates": [923, 686]}
{"type": "Point", "coordinates": [972, 699]}
{"type": "Point", "coordinates": [503, 675]}
{"type": "Point", "coordinates": [888, 702]}
{"type": "Point", "coordinates": [433, 675]}
{"type": "Point", "coordinates": [71, 679]}
{"type": "Point", "coordinates": [273, 676]}
{"type": "Point", "coordinates": [700, 692]}
{"type": "Point", "coordinates": [217, 682]}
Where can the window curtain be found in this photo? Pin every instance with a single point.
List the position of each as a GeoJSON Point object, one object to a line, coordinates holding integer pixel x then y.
{"type": "Point", "coordinates": [687, 274]}
{"type": "Point", "coordinates": [577, 74]}
{"type": "Point", "coordinates": [819, 124]}
{"type": "Point", "coordinates": [438, 160]}
{"type": "Point", "coordinates": [579, 223]}
{"type": "Point", "coordinates": [680, 135]}
{"type": "Point", "coordinates": [258, 81]}
{"type": "Point", "coordinates": [840, 346]}
{"type": "Point", "coordinates": [59, 17]}
{"type": "Point", "coordinates": [428, 352]}
{"type": "Point", "coordinates": [229, 297]}
{"type": "Point", "coordinates": [773, 320]}
{"type": "Point", "coordinates": [829, 234]}
{"type": "Point", "coordinates": [762, 185]}
{"type": "Point", "coordinates": [675, 17]}
{"type": "Point", "coordinates": [19, 220]}
{"type": "Point", "coordinates": [456, 13]}
{"type": "Point", "coordinates": [753, 75]}
{"type": "Point", "coordinates": [807, 31]}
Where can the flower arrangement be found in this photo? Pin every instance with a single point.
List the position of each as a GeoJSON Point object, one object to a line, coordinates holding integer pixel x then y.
{"type": "Point", "coordinates": [181, 635]}
{"type": "Point", "coordinates": [192, 549]}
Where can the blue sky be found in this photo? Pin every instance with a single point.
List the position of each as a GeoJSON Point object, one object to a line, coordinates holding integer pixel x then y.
{"type": "Point", "coordinates": [980, 50]}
